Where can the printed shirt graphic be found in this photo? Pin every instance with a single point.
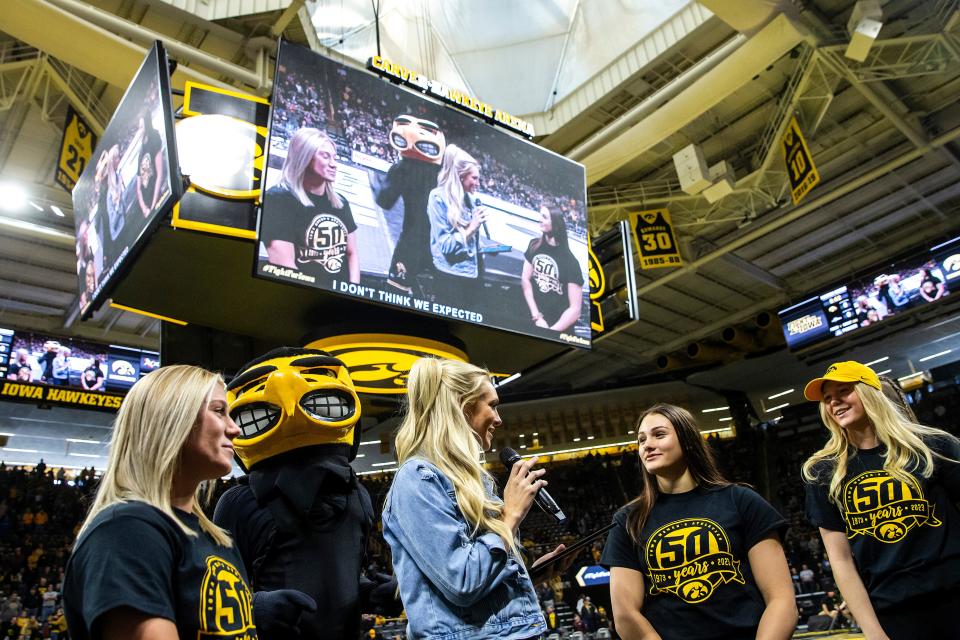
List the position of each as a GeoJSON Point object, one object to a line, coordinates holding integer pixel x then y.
{"type": "Point", "coordinates": [191, 580]}
{"type": "Point", "coordinates": [693, 557]}
{"type": "Point", "coordinates": [553, 269]}
{"type": "Point", "coordinates": [879, 505]}
{"type": "Point", "coordinates": [318, 233]}
{"type": "Point", "coordinates": [690, 558]}
{"type": "Point", "coordinates": [904, 534]}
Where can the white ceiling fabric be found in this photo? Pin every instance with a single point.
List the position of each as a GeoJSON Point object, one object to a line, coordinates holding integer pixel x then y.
{"type": "Point", "coordinates": [521, 56]}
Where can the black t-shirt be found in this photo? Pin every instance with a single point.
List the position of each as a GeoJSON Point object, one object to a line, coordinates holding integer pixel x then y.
{"type": "Point", "coordinates": [92, 376]}
{"type": "Point", "coordinates": [318, 233]}
{"type": "Point", "coordinates": [134, 555]}
{"type": "Point", "coordinates": [554, 268]}
{"type": "Point", "coordinates": [694, 561]}
{"type": "Point", "coordinates": [905, 536]}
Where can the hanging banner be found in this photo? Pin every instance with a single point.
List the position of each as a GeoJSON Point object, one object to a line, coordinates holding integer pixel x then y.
{"type": "Point", "coordinates": [598, 287]}
{"type": "Point", "coordinates": [800, 169]}
{"type": "Point", "coordinates": [613, 288]}
{"type": "Point", "coordinates": [656, 242]}
{"type": "Point", "coordinates": [76, 149]}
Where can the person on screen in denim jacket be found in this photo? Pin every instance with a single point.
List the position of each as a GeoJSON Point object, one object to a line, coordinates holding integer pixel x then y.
{"type": "Point", "coordinates": [455, 221]}
{"type": "Point", "coordinates": [453, 540]}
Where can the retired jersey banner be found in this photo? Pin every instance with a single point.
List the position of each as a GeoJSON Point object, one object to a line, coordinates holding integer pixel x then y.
{"type": "Point", "coordinates": [656, 242]}
{"type": "Point", "coordinates": [76, 149]}
{"type": "Point", "coordinates": [800, 169]}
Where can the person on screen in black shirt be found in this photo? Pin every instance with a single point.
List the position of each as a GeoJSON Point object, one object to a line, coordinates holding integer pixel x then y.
{"type": "Point", "coordinates": [50, 349]}
{"type": "Point", "coordinates": [21, 368]}
{"type": "Point", "coordinates": [310, 226]}
{"type": "Point", "coordinates": [92, 377]}
{"type": "Point", "coordinates": [150, 167]}
{"type": "Point", "coordinates": [883, 491]}
{"type": "Point", "coordinates": [551, 280]}
{"type": "Point", "coordinates": [695, 557]}
{"type": "Point", "coordinates": [931, 287]}
{"type": "Point", "coordinates": [455, 223]}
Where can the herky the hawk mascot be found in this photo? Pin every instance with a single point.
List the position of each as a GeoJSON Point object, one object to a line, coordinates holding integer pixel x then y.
{"type": "Point", "coordinates": [420, 144]}
{"type": "Point", "coordinates": [300, 518]}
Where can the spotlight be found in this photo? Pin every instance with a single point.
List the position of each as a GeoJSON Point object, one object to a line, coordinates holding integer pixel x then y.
{"type": "Point", "coordinates": [12, 197]}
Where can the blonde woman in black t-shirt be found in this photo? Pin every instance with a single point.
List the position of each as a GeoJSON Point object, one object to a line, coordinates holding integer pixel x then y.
{"type": "Point", "coordinates": [884, 490]}
{"type": "Point", "coordinates": [695, 557]}
{"type": "Point", "coordinates": [551, 280]}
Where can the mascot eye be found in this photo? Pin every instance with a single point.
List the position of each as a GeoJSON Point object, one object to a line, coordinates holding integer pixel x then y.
{"type": "Point", "coordinates": [255, 418]}
{"type": "Point", "coordinates": [329, 406]}
{"type": "Point", "coordinates": [399, 140]}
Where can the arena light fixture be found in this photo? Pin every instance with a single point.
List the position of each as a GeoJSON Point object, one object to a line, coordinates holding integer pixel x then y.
{"type": "Point", "coordinates": [369, 442]}
{"type": "Point", "coordinates": [884, 372]}
{"type": "Point", "coordinates": [782, 393]}
{"type": "Point", "coordinates": [83, 455]}
{"type": "Point", "coordinates": [725, 419]}
{"type": "Point", "coordinates": [715, 409]}
{"type": "Point", "coordinates": [57, 210]}
{"type": "Point", "coordinates": [877, 361]}
{"type": "Point", "coordinates": [935, 355]}
{"type": "Point", "coordinates": [35, 205]}
{"type": "Point", "coordinates": [12, 450]}
{"type": "Point", "coordinates": [779, 406]}
{"type": "Point", "coordinates": [382, 464]}
{"type": "Point", "coordinates": [366, 473]}
{"type": "Point", "coordinates": [13, 197]}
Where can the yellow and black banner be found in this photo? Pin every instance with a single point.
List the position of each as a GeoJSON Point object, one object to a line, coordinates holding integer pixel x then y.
{"type": "Point", "coordinates": [44, 394]}
{"type": "Point", "coordinates": [76, 149]}
{"type": "Point", "coordinates": [598, 288]}
{"type": "Point", "coordinates": [800, 168]}
{"type": "Point", "coordinates": [656, 242]}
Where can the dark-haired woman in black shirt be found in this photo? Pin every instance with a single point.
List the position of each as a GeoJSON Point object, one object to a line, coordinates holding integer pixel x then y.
{"type": "Point", "coordinates": [695, 557]}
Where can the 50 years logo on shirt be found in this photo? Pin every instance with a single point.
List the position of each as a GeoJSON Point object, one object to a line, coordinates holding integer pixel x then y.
{"type": "Point", "coordinates": [690, 558]}
{"type": "Point", "coordinates": [226, 605]}
{"type": "Point", "coordinates": [879, 505]}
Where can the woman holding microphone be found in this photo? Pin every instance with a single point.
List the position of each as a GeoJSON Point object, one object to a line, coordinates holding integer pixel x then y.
{"type": "Point", "coordinates": [695, 557]}
{"type": "Point", "coordinates": [453, 540]}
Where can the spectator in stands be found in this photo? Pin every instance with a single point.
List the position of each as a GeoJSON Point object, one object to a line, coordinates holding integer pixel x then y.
{"type": "Point", "coordinates": [808, 582]}
{"type": "Point", "coordinates": [58, 625]}
{"type": "Point", "coordinates": [834, 606]}
{"type": "Point", "coordinates": [551, 280]}
{"type": "Point", "coordinates": [883, 491]}
{"type": "Point", "coordinates": [443, 521]}
{"type": "Point", "coordinates": [455, 222]}
{"type": "Point", "coordinates": [667, 578]}
{"type": "Point", "coordinates": [311, 227]}
{"type": "Point", "coordinates": [147, 555]}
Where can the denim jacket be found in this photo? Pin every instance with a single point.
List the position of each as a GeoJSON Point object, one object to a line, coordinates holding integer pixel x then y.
{"type": "Point", "coordinates": [453, 586]}
{"type": "Point", "coordinates": [451, 252]}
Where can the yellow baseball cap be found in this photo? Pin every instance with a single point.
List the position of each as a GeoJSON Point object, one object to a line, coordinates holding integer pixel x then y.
{"type": "Point", "coordinates": [848, 371]}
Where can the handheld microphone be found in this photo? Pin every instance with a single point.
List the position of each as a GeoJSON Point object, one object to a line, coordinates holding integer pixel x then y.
{"type": "Point", "coordinates": [477, 203]}
{"type": "Point", "coordinates": [509, 457]}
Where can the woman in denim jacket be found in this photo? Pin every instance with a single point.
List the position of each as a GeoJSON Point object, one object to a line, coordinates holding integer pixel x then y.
{"type": "Point", "coordinates": [455, 222]}
{"type": "Point", "coordinates": [453, 540]}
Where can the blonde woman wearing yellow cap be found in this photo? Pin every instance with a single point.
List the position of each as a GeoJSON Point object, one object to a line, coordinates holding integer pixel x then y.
{"type": "Point", "coordinates": [883, 491]}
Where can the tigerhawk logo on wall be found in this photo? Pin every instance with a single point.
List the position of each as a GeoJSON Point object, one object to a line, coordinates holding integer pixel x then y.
{"type": "Point", "coordinates": [226, 610]}
{"type": "Point", "coordinates": [884, 507]}
{"type": "Point", "coordinates": [690, 558]}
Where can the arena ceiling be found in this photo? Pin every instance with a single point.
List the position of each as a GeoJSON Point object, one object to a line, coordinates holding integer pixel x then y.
{"type": "Point", "coordinates": [613, 84]}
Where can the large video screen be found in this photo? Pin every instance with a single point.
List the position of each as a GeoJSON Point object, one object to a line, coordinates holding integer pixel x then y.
{"type": "Point", "coordinates": [130, 183]}
{"type": "Point", "coordinates": [377, 192]}
{"type": "Point", "coordinates": [67, 362]}
{"type": "Point", "coordinates": [905, 285]}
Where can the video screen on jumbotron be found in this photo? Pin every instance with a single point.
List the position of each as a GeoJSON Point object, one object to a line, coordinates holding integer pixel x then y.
{"type": "Point", "coordinates": [377, 192]}
{"type": "Point", "coordinates": [131, 182]}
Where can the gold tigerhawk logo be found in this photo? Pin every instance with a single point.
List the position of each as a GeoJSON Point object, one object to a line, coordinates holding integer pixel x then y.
{"type": "Point", "coordinates": [690, 558]}
{"type": "Point", "coordinates": [226, 604]}
{"type": "Point", "coordinates": [886, 508]}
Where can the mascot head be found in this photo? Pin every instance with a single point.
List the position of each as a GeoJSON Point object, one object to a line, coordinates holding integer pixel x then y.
{"type": "Point", "coordinates": [417, 139]}
{"type": "Point", "coordinates": [292, 398]}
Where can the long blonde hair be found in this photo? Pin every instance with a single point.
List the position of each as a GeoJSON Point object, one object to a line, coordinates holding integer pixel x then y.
{"type": "Point", "coordinates": [907, 450]}
{"type": "Point", "coordinates": [456, 162]}
{"type": "Point", "coordinates": [303, 147]}
{"type": "Point", "coordinates": [154, 422]}
{"type": "Point", "coordinates": [440, 394]}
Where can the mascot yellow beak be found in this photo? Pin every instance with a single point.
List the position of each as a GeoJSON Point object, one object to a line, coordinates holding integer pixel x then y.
{"type": "Point", "coordinates": [289, 399]}
{"type": "Point", "coordinates": [418, 139]}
